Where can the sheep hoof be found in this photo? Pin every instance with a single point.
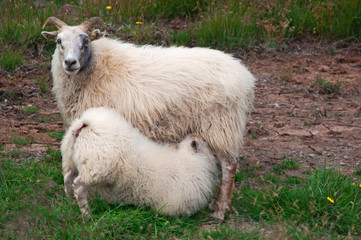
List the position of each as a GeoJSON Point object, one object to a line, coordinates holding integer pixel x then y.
{"type": "Point", "coordinates": [218, 216]}
{"type": "Point", "coordinates": [217, 220]}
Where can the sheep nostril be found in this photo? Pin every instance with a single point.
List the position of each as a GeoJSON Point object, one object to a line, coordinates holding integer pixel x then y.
{"type": "Point", "coordinates": [70, 62]}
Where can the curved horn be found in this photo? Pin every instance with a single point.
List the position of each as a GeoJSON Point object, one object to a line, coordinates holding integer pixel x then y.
{"type": "Point", "coordinates": [54, 21]}
{"type": "Point", "coordinates": [91, 22]}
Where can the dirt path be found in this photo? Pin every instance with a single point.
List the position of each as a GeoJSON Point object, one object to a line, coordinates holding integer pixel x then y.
{"type": "Point", "coordinates": [294, 115]}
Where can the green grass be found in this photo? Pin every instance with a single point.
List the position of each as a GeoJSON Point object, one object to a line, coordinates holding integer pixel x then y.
{"type": "Point", "coordinates": [327, 87]}
{"type": "Point", "coordinates": [21, 141]}
{"type": "Point", "coordinates": [357, 172]}
{"type": "Point", "coordinates": [30, 110]}
{"type": "Point", "coordinates": [303, 205]}
{"type": "Point", "coordinates": [289, 163]}
{"type": "Point", "coordinates": [57, 135]}
{"type": "Point", "coordinates": [10, 60]}
{"type": "Point", "coordinates": [32, 195]}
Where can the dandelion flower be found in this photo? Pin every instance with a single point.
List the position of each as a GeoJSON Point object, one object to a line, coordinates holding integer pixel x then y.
{"type": "Point", "coordinates": [138, 23]}
{"type": "Point", "coordinates": [330, 199]}
{"type": "Point", "coordinates": [359, 185]}
{"type": "Point", "coordinates": [109, 7]}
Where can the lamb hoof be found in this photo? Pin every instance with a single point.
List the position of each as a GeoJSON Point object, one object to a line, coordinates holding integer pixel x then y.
{"type": "Point", "coordinates": [69, 191]}
{"type": "Point", "coordinates": [86, 215]}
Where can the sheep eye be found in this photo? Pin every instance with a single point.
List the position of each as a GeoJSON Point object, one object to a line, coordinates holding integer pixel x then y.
{"type": "Point", "coordinates": [86, 41]}
{"type": "Point", "coordinates": [58, 41]}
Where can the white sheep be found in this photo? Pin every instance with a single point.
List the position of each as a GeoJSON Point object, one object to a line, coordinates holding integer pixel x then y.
{"type": "Point", "coordinates": [167, 93]}
{"type": "Point", "coordinates": [102, 151]}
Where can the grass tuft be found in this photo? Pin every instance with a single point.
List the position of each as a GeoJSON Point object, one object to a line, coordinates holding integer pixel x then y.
{"type": "Point", "coordinates": [31, 110]}
{"type": "Point", "coordinates": [328, 88]}
{"type": "Point", "coordinates": [289, 163]}
{"type": "Point", "coordinates": [10, 60]}
{"type": "Point", "coordinates": [21, 141]}
{"type": "Point", "coordinates": [57, 135]}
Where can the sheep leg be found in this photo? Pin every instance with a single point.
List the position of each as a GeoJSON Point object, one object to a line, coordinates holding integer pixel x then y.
{"type": "Point", "coordinates": [81, 195]}
{"type": "Point", "coordinates": [221, 205]}
{"type": "Point", "coordinates": [68, 182]}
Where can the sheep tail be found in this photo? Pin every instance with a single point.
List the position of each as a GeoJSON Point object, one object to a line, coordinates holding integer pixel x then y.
{"type": "Point", "coordinates": [76, 134]}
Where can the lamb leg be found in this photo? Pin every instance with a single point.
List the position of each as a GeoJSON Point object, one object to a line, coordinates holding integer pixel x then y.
{"type": "Point", "coordinates": [81, 195]}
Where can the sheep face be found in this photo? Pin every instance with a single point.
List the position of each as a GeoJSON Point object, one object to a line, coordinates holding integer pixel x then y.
{"type": "Point", "coordinates": [73, 43]}
{"type": "Point", "coordinates": [74, 49]}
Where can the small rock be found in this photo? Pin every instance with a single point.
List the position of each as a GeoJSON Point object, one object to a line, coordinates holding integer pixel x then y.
{"type": "Point", "coordinates": [324, 68]}
{"type": "Point", "coordinates": [324, 153]}
{"type": "Point", "coordinates": [342, 164]}
{"type": "Point", "coordinates": [275, 105]}
{"type": "Point", "coordinates": [358, 163]}
{"type": "Point", "coordinates": [330, 155]}
{"type": "Point", "coordinates": [345, 157]}
{"type": "Point", "coordinates": [313, 156]}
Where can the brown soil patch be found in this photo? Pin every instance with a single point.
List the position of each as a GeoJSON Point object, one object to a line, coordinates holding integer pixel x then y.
{"type": "Point", "coordinates": [293, 116]}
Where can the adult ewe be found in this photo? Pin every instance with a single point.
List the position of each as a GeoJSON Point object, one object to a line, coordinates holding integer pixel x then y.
{"type": "Point", "coordinates": [103, 152]}
{"type": "Point", "coordinates": [167, 93]}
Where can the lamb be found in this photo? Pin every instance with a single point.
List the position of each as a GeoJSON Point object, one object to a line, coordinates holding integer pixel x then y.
{"type": "Point", "coordinates": [102, 151]}
{"type": "Point", "coordinates": [167, 93]}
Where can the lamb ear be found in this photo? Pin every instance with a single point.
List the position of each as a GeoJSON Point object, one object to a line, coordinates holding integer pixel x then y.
{"type": "Point", "coordinates": [50, 35]}
{"type": "Point", "coordinates": [194, 145]}
{"type": "Point", "coordinates": [96, 34]}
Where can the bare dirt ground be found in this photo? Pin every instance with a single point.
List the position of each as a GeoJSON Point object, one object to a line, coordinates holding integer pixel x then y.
{"type": "Point", "coordinates": [293, 115]}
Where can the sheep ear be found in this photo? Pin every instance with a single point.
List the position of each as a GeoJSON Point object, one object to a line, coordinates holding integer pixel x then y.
{"type": "Point", "coordinates": [194, 145]}
{"type": "Point", "coordinates": [96, 34]}
{"type": "Point", "coordinates": [50, 35]}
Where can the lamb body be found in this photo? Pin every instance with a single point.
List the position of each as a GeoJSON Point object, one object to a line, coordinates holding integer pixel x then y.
{"type": "Point", "coordinates": [103, 152]}
{"type": "Point", "coordinates": [167, 93]}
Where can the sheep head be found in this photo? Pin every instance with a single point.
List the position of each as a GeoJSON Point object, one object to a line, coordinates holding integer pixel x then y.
{"type": "Point", "coordinates": [73, 42]}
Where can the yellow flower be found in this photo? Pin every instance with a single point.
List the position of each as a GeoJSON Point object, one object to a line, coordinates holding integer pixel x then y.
{"type": "Point", "coordinates": [109, 7]}
{"type": "Point", "coordinates": [138, 23]}
{"type": "Point", "coordinates": [330, 199]}
{"type": "Point", "coordinates": [359, 185]}
{"type": "Point", "coordinates": [354, 184]}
